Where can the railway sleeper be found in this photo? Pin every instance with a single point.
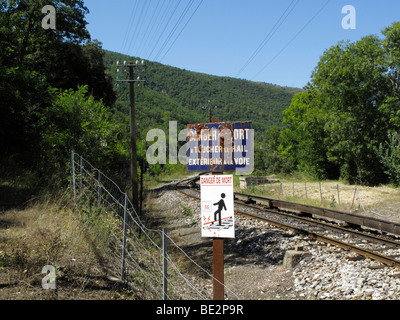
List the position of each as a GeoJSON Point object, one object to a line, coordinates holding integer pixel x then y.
{"type": "Point", "coordinates": [346, 224]}
{"type": "Point", "coordinates": [356, 258]}
{"type": "Point", "coordinates": [249, 201]}
{"type": "Point", "coordinates": [303, 214]}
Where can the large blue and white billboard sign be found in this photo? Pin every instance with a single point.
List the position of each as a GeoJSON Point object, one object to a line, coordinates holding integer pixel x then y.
{"type": "Point", "coordinates": [220, 147]}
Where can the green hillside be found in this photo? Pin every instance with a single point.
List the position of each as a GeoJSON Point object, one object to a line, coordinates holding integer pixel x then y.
{"type": "Point", "coordinates": [174, 94]}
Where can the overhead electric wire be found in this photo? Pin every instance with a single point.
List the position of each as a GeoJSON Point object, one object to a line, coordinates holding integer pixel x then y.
{"type": "Point", "coordinates": [139, 23]}
{"type": "Point", "coordinates": [270, 34]}
{"type": "Point", "coordinates": [148, 27]}
{"type": "Point", "coordinates": [175, 27]}
{"type": "Point", "coordinates": [292, 39]}
{"type": "Point", "coordinates": [155, 26]}
{"type": "Point", "coordinates": [164, 29]}
{"type": "Point", "coordinates": [184, 27]}
{"type": "Point", "coordinates": [128, 28]}
{"type": "Point", "coordinates": [152, 43]}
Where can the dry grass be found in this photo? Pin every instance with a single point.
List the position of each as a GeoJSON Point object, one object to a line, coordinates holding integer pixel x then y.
{"type": "Point", "coordinates": [51, 232]}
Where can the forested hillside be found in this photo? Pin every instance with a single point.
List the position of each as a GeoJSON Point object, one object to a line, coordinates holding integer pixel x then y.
{"type": "Point", "coordinates": [59, 92]}
{"type": "Point", "coordinates": [170, 93]}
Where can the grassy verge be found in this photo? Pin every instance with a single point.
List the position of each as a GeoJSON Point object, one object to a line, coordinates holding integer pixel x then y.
{"type": "Point", "coordinates": [52, 232]}
{"type": "Point", "coordinates": [338, 195]}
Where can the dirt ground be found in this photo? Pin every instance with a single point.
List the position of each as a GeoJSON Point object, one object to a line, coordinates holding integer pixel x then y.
{"type": "Point", "coordinates": [47, 234]}
{"type": "Point", "coordinates": [32, 238]}
{"type": "Point", "coordinates": [252, 271]}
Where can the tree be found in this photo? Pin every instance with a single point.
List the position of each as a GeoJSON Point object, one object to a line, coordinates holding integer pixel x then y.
{"type": "Point", "coordinates": [78, 121]}
{"type": "Point", "coordinates": [33, 60]}
{"type": "Point", "coordinates": [266, 154]}
{"type": "Point", "coordinates": [76, 65]}
{"type": "Point", "coordinates": [351, 103]}
{"type": "Point", "coordinates": [303, 143]}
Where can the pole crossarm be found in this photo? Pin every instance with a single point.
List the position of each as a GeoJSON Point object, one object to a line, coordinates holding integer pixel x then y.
{"type": "Point", "coordinates": [138, 80]}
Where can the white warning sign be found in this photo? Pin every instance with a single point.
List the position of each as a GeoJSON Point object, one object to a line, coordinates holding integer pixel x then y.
{"type": "Point", "coordinates": [217, 209]}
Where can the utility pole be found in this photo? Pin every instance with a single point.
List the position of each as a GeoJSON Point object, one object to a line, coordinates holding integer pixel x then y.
{"type": "Point", "coordinates": [209, 109]}
{"type": "Point", "coordinates": [134, 173]}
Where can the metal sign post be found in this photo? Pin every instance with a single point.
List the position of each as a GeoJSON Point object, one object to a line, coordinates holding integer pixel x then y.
{"type": "Point", "coordinates": [217, 219]}
{"type": "Point", "coordinates": [217, 147]}
{"type": "Point", "coordinates": [218, 269]}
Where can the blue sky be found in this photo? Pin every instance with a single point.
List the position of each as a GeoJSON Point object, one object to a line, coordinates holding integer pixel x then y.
{"type": "Point", "coordinates": [219, 37]}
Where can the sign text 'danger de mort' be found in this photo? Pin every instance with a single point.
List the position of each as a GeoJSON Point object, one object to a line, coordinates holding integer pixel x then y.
{"type": "Point", "coordinates": [223, 146]}
{"type": "Point", "coordinates": [217, 206]}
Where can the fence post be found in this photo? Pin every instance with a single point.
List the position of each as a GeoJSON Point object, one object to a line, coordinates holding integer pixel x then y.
{"type": "Point", "coordinates": [305, 186]}
{"type": "Point", "coordinates": [354, 195]}
{"type": "Point", "coordinates": [124, 241]}
{"type": "Point", "coordinates": [165, 270]}
{"type": "Point", "coordinates": [338, 193]}
{"type": "Point", "coordinates": [359, 200]}
{"type": "Point", "coordinates": [99, 188]}
{"type": "Point", "coordinates": [320, 191]}
{"type": "Point", "coordinates": [81, 178]}
{"type": "Point", "coordinates": [73, 173]}
{"type": "Point", "coordinates": [293, 188]}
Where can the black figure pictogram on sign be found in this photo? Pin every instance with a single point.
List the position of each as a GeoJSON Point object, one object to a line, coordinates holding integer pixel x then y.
{"type": "Point", "coordinates": [221, 205]}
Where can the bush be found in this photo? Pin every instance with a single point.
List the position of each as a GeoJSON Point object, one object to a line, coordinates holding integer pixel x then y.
{"type": "Point", "coordinates": [77, 121]}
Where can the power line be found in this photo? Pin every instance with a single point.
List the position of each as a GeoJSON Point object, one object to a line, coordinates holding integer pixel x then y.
{"type": "Point", "coordinates": [158, 27]}
{"type": "Point", "coordinates": [178, 22]}
{"type": "Point", "coordinates": [150, 28]}
{"type": "Point", "coordinates": [184, 27]}
{"type": "Point", "coordinates": [147, 28]}
{"type": "Point", "coordinates": [164, 29]}
{"type": "Point", "coordinates": [270, 34]}
{"type": "Point", "coordinates": [138, 23]}
{"type": "Point", "coordinates": [291, 40]}
{"type": "Point", "coordinates": [155, 26]}
{"type": "Point", "coordinates": [131, 19]}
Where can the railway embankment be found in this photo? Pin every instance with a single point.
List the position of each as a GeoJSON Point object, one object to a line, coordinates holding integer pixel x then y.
{"type": "Point", "coordinates": [254, 260]}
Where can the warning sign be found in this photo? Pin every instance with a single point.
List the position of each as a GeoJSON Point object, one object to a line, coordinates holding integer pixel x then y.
{"type": "Point", "coordinates": [217, 209]}
{"type": "Point", "coordinates": [223, 146]}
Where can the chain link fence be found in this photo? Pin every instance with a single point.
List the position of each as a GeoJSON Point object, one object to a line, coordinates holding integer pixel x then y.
{"type": "Point", "coordinates": [137, 255]}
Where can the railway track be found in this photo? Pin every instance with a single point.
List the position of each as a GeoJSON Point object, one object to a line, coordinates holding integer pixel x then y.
{"type": "Point", "coordinates": [365, 238]}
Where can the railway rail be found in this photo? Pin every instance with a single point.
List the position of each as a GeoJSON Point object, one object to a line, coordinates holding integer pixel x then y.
{"type": "Point", "coordinates": [371, 238]}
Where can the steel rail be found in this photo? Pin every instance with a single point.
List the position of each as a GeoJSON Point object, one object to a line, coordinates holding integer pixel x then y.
{"type": "Point", "coordinates": [369, 222]}
{"type": "Point", "coordinates": [316, 236]}
{"type": "Point", "coordinates": [349, 247]}
{"type": "Point", "coordinates": [351, 219]}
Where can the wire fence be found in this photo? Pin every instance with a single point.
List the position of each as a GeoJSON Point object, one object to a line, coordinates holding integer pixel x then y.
{"type": "Point", "coordinates": [148, 260]}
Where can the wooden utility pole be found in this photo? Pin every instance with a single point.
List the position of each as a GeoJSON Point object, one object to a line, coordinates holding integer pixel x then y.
{"type": "Point", "coordinates": [134, 172]}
